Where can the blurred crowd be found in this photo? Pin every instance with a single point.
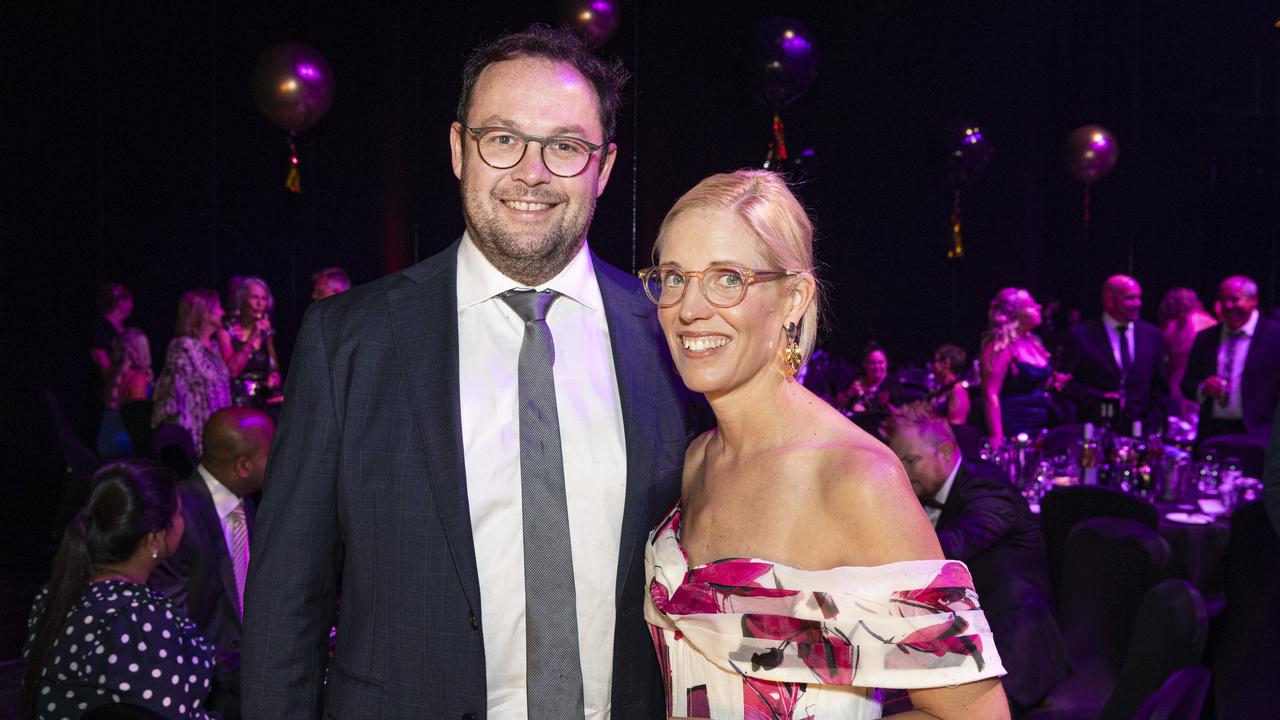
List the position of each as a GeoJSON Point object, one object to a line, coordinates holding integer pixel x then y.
{"type": "Point", "coordinates": [1196, 374]}
{"type": "Point", "coordinates": [223, 353]}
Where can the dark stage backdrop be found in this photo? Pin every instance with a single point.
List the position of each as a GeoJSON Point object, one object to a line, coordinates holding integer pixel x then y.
{"type": "Point", "coordinates": [133, 152]}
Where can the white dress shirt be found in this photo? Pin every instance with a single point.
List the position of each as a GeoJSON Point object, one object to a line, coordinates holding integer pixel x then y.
{"type": "Point", "coordinates": [1113, 336]}
{"type": "Point", "coordinates": [595, 467]}
{"type": "Point", "coordinates": [1232, 368]}
{"type": "Point", "coordinates": [224, 501]}
{"type": "Point", "coordinates": [943, 493]}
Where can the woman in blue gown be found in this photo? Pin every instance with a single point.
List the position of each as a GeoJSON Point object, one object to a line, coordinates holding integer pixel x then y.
{"type": "Point", "coordinates": [1016, 370]}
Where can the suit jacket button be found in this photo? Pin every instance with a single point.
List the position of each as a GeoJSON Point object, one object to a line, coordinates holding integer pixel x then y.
{"type": "Point", "coordinates": [471, 619]}
{"type": "Point", "coordinates": [235, 644]}
{"type": "Point", "coordinates": [468, 716]}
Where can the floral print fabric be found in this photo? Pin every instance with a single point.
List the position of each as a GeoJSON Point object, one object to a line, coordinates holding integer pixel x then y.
{"type": "Point", "coordinates": [747, 638]}
{"type": "Point", "coordinates": [193, 386]}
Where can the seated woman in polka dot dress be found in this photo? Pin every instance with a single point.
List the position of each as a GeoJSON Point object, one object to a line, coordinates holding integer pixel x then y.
{"type": "Point", "coordinates": [98, 635]}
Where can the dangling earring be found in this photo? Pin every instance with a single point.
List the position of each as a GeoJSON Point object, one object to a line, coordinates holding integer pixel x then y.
{"type": "Point", "coordinates": [791, 351]}
{"type": "Point", "coordinates": [155, 554]}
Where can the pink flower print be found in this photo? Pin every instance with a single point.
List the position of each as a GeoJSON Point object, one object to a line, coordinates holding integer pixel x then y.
{"type": "Point", "coordinates": [945, 637]}
{"type": "Point", "coordinates": [768, 700]}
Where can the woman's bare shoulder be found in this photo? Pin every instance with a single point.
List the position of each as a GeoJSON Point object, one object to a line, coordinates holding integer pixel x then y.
{"type": "Point", "coordinates": [881, 520]}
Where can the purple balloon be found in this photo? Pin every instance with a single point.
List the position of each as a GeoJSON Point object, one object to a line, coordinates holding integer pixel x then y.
{"type": "Point", "coordinates": [595, 21]}
{"type": "Point", "coordinates": [969, 151]}
{"type": "Point", "coordinates": [1091, 153]}
{"type": "Point", "coordinates": [785, 61]}
{"type": "Point", "coordinates": [292, 85]}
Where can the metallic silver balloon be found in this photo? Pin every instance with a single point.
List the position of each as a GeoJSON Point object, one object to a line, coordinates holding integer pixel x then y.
{"type": "Point", "coordinates": [293, 85]}
{"type": "Point", "coordinates": [1091, 153]}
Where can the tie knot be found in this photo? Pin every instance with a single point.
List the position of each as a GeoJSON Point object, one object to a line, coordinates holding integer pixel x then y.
{"type": "Point", "coordinates": [530, 305]}
{"type": "Point", "coordinates": [237, 512]}
{"type": "Point", "coordinates": [1122, 328]}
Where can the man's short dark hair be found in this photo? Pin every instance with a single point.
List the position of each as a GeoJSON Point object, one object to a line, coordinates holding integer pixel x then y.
{"type": "Point", "coordinates": [541, 41]}
{"type": "Point", "coordinates": [954, 356]}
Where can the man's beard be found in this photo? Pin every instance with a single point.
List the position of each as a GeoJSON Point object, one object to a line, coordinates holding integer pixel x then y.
{"type": "Point", "coordinates": [531, 257]}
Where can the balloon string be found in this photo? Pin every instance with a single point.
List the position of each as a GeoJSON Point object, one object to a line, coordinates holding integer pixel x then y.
{"type": "Point", "coordinates": [956, 251]}
{"type": "Point", "coordinates": [1087, 188]}
{"type": "Point", "coordinates": [294, 181]}
{"type": "Point", "coordinates": [779, 136]}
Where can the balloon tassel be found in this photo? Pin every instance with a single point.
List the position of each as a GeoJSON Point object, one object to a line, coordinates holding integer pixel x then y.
{"type": "Point", "coordinates": [956, 251]}
{"type": "Point", "coordinates": [778, 146]}
{"type": "Point", "coordinates": [294, 181]}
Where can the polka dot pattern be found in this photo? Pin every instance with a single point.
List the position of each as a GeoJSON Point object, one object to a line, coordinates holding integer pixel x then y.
{"type": "Point", "coordinates": [116, 648]}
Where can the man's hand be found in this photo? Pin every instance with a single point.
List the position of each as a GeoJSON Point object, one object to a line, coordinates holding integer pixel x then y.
{"type": "Point", "coordinates": [1216, 387]}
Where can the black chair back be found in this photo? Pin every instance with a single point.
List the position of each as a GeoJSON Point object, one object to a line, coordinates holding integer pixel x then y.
{"type": "Point", "coordinates": [1251, 452]}
{"type": "Point", "coordinates": [1181, 697]}
{"type": "Point", "coordinates": [1168, 635]}
{"type": "Point", "coordinates": [1242, 647]}
{"type": "Point", "coordinates": [1063, 508]}
{"type": "Point", "coordinates": [969, 440]}
{"type": "Point", "coordinates": [1110, 564]}
{"type": "Point", "coordinates": [175, 448]}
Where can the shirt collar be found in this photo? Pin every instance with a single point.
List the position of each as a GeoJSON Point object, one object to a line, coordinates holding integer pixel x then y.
{"type": "Point", "coordinates": [940, 497]}
{"type": "Point", "coordinates": [224, 501]}
{"type": "Point", "coordinates": [479, 280]}
{"type": "Point", "coordinates": [1247, 328]}
{"type": "Point", "coordinates": [1112, 323]}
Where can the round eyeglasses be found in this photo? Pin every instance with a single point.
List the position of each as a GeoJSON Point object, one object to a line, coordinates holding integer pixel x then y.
{"type": "Point", "coordinates": [502, 148]}
{"type": "Point", "coordinates": [722, 285]}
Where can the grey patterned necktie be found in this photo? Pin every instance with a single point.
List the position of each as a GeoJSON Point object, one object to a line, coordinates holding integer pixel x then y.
{"type": "Point", "coordinates": [553, 667]}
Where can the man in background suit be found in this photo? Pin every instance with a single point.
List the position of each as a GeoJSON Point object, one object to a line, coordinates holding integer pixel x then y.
{"type": "Point", "coordinates": [206, 574]}
{"type": "Point", "coordinates": [1233, 370]}
{"type": "Point", "coordinates": [416, 420]}
{"type": "Point", "coordinates": [1117, 356]}
{"type": "Point", "coordinates": [984, 522]}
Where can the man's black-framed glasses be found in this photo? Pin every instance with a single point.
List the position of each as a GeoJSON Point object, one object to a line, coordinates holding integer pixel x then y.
{"type": "Point", "coordinates": [722, 285]}
{"type": "Point", "coordinates": [502, 148]}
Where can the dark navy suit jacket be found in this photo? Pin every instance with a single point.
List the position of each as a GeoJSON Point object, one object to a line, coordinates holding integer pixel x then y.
{"type": "Point", "coordinates": [198, 576]}
{"type": "Point", "coordinates": [1087, 355]}
{"type": "Point", "coordinates": [986, 524]}
{"type": "Point", "coordinates": [1260, 384]}
{"type": "Point", "coordinates": [366, 482]}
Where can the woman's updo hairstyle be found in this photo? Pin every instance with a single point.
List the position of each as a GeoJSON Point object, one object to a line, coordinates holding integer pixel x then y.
{"type": "Point", "coordinates": [764, 202]}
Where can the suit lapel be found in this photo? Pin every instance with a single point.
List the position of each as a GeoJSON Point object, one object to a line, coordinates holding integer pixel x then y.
{"type": "Point", "coordinates": [631, 316]}
{"type": "Point", "coordinates": [1259, 360]}
{"type": "Point", "coordinates": [1103, 339]}
{"type": "Point", "coordinates": [424, 321]}
{"type": "Point", "coordinates": [953, 497]}
{"type": "Point", "coordinates": [217, 541]}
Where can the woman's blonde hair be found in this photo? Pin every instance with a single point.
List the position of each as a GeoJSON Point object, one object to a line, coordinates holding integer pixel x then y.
{"type": "Point", "coordinates": [1003, 328]}
{"type": "Point", "coordinates": [193, 308]}
{"type": "Point", "coordinates": [130, 350]}
{"type": "Point", "coordinates": [764, 202]}
{"type": "Point", "coordinates": [241, 291]}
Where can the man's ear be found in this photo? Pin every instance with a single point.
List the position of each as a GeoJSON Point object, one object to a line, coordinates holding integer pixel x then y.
{"type": "Point", "coordinates": [947, 451]}
{"type": "Point", "coordinates": [607, 158]}
{"type": "Point", "coordinates": [455, 148]}
{"type": "Point", "coordinates": [243, 467]}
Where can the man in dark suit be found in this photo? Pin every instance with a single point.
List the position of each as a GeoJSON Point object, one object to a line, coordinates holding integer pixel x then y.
{"type": "Point", "coordinates": [1233, 370]}
{"type": "Point", "coordinates": [984, 522]}
{"type": "Point", "coordinates": [417, 421]}
{"type": "Point", "coordinates": [1117, 357]}
{"type": "Point", "coordinates": [206, 574]}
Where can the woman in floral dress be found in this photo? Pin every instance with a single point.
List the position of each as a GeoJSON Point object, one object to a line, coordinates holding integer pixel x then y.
{"type": "Point", "coordinates": [799, 575]}
{"type": "Point", "coordinates": [195, 382]}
